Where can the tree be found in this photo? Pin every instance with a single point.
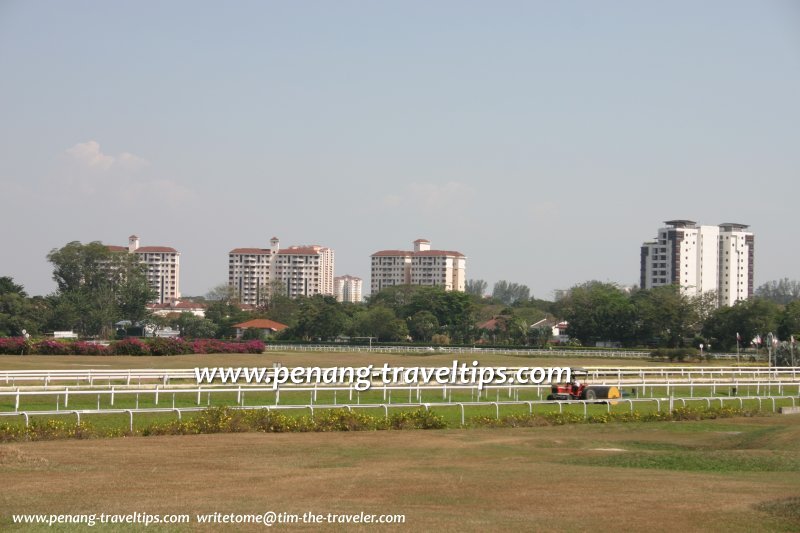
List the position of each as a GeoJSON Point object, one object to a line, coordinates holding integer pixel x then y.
{"type": "Point", "coordinates": [423, 325]}
{"type": "Point", "coordinates": [222, 293]}
{"type": "Point", "coordinates": [665, 315]}
{"type": "Point", "coordinates": [195, 327]}
{"type": "Point", "coordinates": [97, 287]}
{"type": "Point", "coordinates": [748, 318]}
{"type": "Point", "coordinates": [599, 311]}
{"type": "Point", "coordinates": [789, 321]}
{"type": "Point", "coordinates": [132, 290]}
{"type": "Point", "coordinates": [153, 323]}
{"type": "Point", "coordinates": [780, 291]}
{"type": "Point", "coordinates": [319, 317]}
{"type": "Point", "coordinates": [379, 322]}
{"type": "Point", "coordinates": [510, 293]}
{"type": "Point", "coordinates": [7, 286]}
{"type": "Point", "coordinates": [19, 313]}
{"type": "Point", "coordinates": [283, 309]}
{"type": "Point", "coordinates": [476, 287]}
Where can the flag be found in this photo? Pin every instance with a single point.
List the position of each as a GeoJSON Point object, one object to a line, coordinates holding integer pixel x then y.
{"type": "Point", "coordinates": [738, 337]}
{"type": "Point", "coordinates": [792, 339]}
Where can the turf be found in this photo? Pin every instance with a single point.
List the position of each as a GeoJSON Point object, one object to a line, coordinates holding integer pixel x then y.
{"type": "Point", "coordinates": [567, 478]}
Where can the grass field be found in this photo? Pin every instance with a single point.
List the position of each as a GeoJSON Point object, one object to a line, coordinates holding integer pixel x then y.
{"type": "Point", "coordinates": [55, 362]}
{"type": "Point", "coordinates": [719, 475]}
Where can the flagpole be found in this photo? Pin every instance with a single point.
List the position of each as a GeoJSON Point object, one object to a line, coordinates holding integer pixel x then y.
{"type": "Point", "coordinates": [737, 347]}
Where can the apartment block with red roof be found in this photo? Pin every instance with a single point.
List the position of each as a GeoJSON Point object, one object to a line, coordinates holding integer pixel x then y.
{"type": "Point", "coordinates": [422, 266]}
{"type": "Point", "coordinates": [254, 273]}
{"type": "Point", "coordinates": [162, 265]}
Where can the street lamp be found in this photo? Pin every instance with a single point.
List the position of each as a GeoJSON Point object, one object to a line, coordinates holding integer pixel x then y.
{"type": "Point", "coordinates": [770, 340]}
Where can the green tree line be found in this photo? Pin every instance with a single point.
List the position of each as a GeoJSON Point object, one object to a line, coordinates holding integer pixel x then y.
{"type": "Point", "coordinates": [97, 288]}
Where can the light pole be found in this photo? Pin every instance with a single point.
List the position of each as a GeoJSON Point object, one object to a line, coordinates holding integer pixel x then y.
{"type": "Point", "coordinates": [769, 349]}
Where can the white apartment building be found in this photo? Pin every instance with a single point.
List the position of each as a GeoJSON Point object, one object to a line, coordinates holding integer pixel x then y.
{"type": "Point", "coordinates": [422, 266]}
{"type": "Point", "coordinates": [295, 271]}
{"type": "Point", "coordinates": [162, 265]}
{"type": "Point", "coordinates": [347, 289]}
{"type": "Point", "coordinates": [700, 259]}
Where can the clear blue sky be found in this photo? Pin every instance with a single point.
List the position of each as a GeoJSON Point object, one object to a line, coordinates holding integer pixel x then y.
{"type": "Point", "coordinates": [544, 140]}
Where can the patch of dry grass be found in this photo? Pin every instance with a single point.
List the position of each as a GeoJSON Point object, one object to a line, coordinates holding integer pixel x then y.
{"type": "Point", "coordinates": [453, 480]}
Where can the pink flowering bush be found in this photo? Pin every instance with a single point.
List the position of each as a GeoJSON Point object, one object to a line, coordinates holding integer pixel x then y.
{"type": "Point", "coordinates": [14, 346]}
{"type": "Point", "coordinates": [130, 346]}
{"type": "Point", "coordinates": [161, 346]}
{"type": "Point", "coordinates": [50, 347]}
{"type": "Point", "coordinates": [87, 348]}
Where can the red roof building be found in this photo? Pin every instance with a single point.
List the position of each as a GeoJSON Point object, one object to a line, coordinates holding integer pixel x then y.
{"type": "Point", "coordinates": [422, 266]}
{"type": "Point", "coordinates": [265, 325]}
{"type": "Point", "coordinates": [162, 268]}
{"type": "Point", "coordinates": [254, 273]}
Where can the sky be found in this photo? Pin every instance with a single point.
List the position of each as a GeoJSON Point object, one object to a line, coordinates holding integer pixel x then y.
{"type": "Point", "coordinates": [546, 141]}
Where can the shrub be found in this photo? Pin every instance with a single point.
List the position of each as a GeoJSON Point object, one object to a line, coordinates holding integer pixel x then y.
{"type": "Point", "coordinates": [129, 347]}
{"type": "Point", "coordinates": [440, 338]}
{"type": "Point", "coordinates": [675, 354]}
{"type": "Point", "coordinates": [14, 346]}
{"type": "Point", "coordinates": [161, 346]}
{"type": "Point", "coordinates": [50, 347]}
{"type": "Point", "coordinates": [417, 419]}
{"type": "Point", "coordinates": [86, 348]}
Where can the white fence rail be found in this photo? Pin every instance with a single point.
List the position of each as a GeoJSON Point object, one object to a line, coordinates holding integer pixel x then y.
{"type": "Point", "coordinates": [679, 391]}
{"type": "Point", "coordinates": [429, 350]}
{"type": "Point", "coordinates": [595, 374]}
{"type": "Point", "coordinates": [531, 404]}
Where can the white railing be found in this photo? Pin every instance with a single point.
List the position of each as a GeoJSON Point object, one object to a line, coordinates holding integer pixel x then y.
{"type": "Point", "coordinates": [415, 392]}
{"type": "Point", "coordinates": [430, 350]}
{"type": "Point", "coordinates": [595, 374]}
{"type": "Point", "coordinates": [660, 403]}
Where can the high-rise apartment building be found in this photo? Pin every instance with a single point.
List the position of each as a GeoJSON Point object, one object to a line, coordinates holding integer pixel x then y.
{"type": "Point", "coordinates": [347, 289]}
{"type": "Point", "coordinates": [254, 273]}
{"type": "Point", "coordinates": [162, 265]}
{"type": "Point", "coordinates": [422, 266]}
{"type": "Point", "coordinates": [700, 259]}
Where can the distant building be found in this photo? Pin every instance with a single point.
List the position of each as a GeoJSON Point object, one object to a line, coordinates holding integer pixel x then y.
{"type": "Point", "coordinates": [163, 268]}
{"type": "Point", "coordinates": [422, 266]}
{"type": "Point", "coordinates": [700, 259]}
{"type": "Point", "coordinates": [255, 273]}
{"type": "Point", "coordinates": [265, 326]}
{"type": "Point", "coordinates": [347, 289]}
{"type": "Point", "coordinates": [176, 307]}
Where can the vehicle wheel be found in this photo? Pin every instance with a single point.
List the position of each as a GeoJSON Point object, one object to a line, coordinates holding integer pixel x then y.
{"type": "Point", "coordinates": [589, 394]}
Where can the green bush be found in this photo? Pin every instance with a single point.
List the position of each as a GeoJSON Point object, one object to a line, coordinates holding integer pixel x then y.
{"type": "Point", "coordinates": [675, 354]}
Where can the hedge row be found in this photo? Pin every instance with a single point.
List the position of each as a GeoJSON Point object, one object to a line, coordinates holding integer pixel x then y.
{"type": "Point", "coordinates": [22, 346]}
{"type": "Point", "coordinates": [227, 420]}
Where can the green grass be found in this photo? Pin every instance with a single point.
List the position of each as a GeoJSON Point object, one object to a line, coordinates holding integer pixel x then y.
{"type": "Point", "coordinates": [723, 461]}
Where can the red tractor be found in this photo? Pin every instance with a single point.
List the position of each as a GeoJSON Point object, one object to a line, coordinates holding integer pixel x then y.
{"type": "Point", "coordinates": [578, 389]}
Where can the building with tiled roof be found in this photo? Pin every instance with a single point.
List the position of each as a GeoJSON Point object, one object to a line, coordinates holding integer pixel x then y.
{"type": "Point", "coordinates": [254, 273]}
{"type": "Point", "coordinates": [264, 325]}
{"type": "Point", "coordinates": [176, 307]}
{"type": "Point", "coordinates": [162, 265]}
{"type": "Point", "coordinates": [422, 266]}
